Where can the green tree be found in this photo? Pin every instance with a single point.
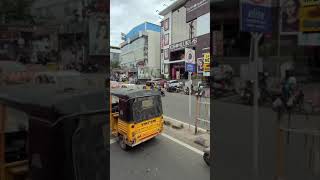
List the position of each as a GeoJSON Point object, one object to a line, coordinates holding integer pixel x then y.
{"type": "Point", "coordinates": [12, 11]}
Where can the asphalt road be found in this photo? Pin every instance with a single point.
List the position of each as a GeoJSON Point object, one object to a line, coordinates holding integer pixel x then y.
{"type": "Point", "coordinates": [176, 106]}
{"type": "Point", "coordinates": [232, 139]}
{"type": "Point", "coordinates": [157, 159]}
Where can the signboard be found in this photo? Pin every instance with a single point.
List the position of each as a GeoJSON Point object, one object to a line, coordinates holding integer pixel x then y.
{"type": "Point", "coordinates": [206, 64]}
{"type": "Point", "coordinates": [206, 58]}
{"type": "Point", "coordinates": [256, 16]}
{"type": "Point", "coordinates": [196, 8]}
{"type": "Point", "coordinates": [309, 2]}
{"type": "Point", "coordinates": [183, 44]}
{"type": "Point", "coordinates": [206, 67]}
{"type": "Point", "coordinates": [200, 65]}
{"type": "Point", "coordinates": [310, 19]}
{"type": "Point", "coordinates": [289, 17]}
{"type": "Point", "coordinates": [98, 31]}
{"type": "Point", "coordinates": [190, 56]}
{"type": "Point", "coordinates": [309, 39]}
{"type": "Point", "coordinates": [190, 67]}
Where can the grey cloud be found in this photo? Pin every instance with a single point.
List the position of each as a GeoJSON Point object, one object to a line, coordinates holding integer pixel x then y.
{"type": "Point", "coordinates": [126, 14]}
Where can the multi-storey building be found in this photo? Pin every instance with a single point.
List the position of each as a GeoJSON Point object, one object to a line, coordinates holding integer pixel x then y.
{"type": "Point", "coordinates": [140, 52]}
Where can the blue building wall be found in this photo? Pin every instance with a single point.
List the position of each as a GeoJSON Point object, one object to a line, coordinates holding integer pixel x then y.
{"type": "Point", "coordinates": [142, 27]}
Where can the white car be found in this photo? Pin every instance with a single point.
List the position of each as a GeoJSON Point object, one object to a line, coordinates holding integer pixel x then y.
{"type": "Point", "coordinates": [174, 83]}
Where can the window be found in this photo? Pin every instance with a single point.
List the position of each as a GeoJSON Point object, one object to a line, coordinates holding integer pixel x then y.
{"type": "Point", "coordinates": [203, 24]}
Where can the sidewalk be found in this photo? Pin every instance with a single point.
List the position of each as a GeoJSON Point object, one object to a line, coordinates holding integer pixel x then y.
{"type": "Point", "coordinates": [185, 134]}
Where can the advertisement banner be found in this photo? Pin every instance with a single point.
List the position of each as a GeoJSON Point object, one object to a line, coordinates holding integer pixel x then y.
{"type": "Point", "coordinates": [256, 16]}
{"type": "Point", "coordinates": [310, 19]}
{"type": "Point", "coordinates": [309, 39]}
{"type": "Point", "coordinates": [196, 8]}
{"type": "Point", "coordinates": [289, 17]}
{"type": "Point", "coordinates": [309, 2]}
{"type": "Point", "coordinates": [148, 73]}
{"type": "Point", "coordinates": [200, 65]}
{"type": "Point", "coordinates": [98, 31]}
{"type": "Point", "coordinates": [190, 55]}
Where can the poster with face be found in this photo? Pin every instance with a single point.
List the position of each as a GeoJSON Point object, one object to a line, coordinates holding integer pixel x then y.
{"type": "Point", "coordinates": [200, 65]}
{"type": "Point", "coordinates": [289, 20]}
{"type": "Point", "coordinates": [98, 35]}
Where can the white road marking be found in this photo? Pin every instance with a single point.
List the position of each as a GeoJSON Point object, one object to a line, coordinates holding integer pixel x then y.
{"type": "Point", "coordinates": [183, 144]}
{"type": "Point", "coordinates": [185, 124]}
{"type": "Point", "coordinates": [113, 140]}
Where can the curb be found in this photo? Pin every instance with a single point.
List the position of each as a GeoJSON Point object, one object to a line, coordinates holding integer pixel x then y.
{"type": "Point", "coordinates": [183, 123]}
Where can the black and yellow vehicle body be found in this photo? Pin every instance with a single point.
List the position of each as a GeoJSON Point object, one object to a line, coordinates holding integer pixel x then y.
{"type": "Point", "coordinates": [136, 116]}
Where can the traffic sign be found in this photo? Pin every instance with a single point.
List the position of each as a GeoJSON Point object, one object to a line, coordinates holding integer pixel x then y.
{"type": "Point", "coordinates": [190, 67]}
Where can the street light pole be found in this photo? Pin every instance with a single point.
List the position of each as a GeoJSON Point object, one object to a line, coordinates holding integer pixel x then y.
{"type": "Point", "coordinates": [255, 38]}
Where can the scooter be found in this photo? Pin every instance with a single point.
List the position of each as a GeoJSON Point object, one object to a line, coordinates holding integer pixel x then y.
{"type": "Point", "coordinates": [206, 156]}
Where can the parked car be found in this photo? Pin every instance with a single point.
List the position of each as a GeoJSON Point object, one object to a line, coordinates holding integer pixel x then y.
{"type": "Point", "coordinates": [174, 83]}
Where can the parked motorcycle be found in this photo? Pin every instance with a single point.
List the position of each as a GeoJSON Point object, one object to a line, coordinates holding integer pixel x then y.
{"type": "Point", "coordinates": [206, 156]}
{"type": "Point", "coordinates": [264, 95]}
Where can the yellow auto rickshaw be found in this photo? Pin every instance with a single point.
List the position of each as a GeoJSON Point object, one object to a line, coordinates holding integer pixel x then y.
{"type": "Point", "coordinates": [136, 116]}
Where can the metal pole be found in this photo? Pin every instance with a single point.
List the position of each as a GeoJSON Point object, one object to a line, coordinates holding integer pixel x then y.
{"type": "Point", "coordinates": [256, 37]}
{"type": "Point", "coordinates": [190, 82]}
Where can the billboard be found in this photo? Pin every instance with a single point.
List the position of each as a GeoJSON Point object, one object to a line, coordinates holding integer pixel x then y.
{"type": "Point", "coordinates": [289, 17]}
{"type": "Point", "coordinates": [256, 16]}
{"type": "Point", "coordinates": [98, 35]}
{"type": "Point", "coordinates": [196, 8]}
{"type": "Point", "coordinates": [310, 19]}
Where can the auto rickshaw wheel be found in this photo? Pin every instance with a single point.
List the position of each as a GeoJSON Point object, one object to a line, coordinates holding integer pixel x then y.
{"type": "Point", "coordinates": [122, 143]}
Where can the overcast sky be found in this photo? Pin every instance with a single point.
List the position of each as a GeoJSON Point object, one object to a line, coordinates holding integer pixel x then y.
{"type": "Point", "coordinates": [126, 14]}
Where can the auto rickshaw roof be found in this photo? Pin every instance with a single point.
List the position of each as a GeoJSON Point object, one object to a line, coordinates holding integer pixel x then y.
{"type": "Point", "coordinates": [52, 99]}
{"type": "Point", "coordinates": [133, 93]}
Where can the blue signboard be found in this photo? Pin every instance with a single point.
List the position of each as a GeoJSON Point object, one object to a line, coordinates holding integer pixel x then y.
{"type": "Point", "coordinates": [255, 18]}
{"type": "Point", "coordinates": [190, 67]}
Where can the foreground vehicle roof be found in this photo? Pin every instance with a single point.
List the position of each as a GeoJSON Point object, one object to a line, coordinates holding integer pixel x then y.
{"type": "Point", "coordinates": [41, 100]}
{"type": "Point", "coordinates": [133, 93]}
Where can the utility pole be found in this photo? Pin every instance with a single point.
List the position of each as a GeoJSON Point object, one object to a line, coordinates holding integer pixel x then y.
{"type": "Point", "coordinates": [255, 38]}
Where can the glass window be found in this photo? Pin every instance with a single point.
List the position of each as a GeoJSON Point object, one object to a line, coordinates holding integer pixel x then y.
{"type": "Point", "coordinates": [203, 24]}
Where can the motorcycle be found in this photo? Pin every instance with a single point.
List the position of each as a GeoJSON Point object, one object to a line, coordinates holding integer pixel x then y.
{"type": "Point", "coordinates": [206, 156]}
{"type": "Point", "coordinates": [263, 93]}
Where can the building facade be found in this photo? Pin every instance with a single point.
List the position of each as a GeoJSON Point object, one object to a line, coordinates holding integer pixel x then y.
{"type": "Point", "coordinates": [185, 33]}
{"type": "Point", "coordinates": [73, 25]}
{"type": "Point", "coordinates": [140, 52]}
{"type": "Point", "coordinates": [115, 54]}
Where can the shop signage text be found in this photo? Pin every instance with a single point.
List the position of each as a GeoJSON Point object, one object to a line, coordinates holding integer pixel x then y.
{"type": "Point", "coordinates": [310, 19]}
{"type": "Point", "coordinates": [183, 44]}
{"type": "Point", "coordinates": [256, 16]}
{"type": "Point", "coordinates": [309, 2]}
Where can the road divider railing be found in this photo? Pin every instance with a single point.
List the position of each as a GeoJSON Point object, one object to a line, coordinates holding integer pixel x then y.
{"type": "Point", "coordinates": [202, 114]}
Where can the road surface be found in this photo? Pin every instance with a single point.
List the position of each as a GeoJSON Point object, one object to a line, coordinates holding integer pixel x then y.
{"type": "Point", "coordinates": [158, 159]}
{"type": "Point", "coordinates": [176, 105]}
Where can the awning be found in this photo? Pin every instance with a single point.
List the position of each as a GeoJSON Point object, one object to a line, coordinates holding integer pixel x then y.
{"type": "Point", "coordinates": [171, 62]}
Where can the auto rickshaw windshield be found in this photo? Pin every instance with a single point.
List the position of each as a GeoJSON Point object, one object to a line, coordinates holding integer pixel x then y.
{"type": "Point", "coordinates": [145, 108]}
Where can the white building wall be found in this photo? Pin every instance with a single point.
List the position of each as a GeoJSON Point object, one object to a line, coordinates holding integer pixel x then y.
{"type": "Point", "coordinates": [180, 29]}
{"type": "Point", "coordinates": [154, 49]}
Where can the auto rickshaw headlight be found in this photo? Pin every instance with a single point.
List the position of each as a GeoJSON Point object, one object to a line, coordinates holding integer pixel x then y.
{"type": "Point", "coordinates": [132, 126]}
